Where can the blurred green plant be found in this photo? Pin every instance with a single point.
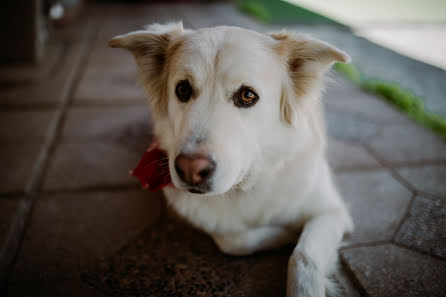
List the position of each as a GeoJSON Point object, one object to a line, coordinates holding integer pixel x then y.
{"type": "Point", "coordinates": [256, 9]}
{"type": "Point", "coordinates": [280, 12]}
{"type": "Point", "coordinates": [397, 96]}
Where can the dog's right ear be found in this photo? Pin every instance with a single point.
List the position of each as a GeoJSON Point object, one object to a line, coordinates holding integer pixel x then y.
{"type": "Point", "coordinates": [150, 49]}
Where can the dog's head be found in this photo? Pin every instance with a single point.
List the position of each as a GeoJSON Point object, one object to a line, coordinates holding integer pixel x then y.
{"type": "Point", "coordinates": [228, 103]}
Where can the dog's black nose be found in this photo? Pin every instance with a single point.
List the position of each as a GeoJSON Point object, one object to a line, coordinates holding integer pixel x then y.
{"type": "Point", "coordinates": [194, 169]}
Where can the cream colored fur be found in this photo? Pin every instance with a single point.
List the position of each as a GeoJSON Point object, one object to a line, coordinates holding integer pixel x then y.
{"type": "Point", "coordinates": [272, 178]}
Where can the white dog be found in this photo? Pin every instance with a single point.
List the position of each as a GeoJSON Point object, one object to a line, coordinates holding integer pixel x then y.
{"type": "Point", "coordinates": [239, 117]}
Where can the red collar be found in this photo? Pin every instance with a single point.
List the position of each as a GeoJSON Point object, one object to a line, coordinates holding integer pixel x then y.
{"type": "Point", "coordinates": [153, 168]}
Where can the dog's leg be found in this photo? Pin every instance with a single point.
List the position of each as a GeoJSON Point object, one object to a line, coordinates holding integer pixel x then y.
{"type": "Point", "coordinates": [261, 238]}
{"type": "Point", "coordinates": [314, 256]}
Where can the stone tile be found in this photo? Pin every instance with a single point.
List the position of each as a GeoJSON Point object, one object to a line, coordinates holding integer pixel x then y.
{"type": "Point", "coordinates": [343, 95]}
{"type": "Point", "coordinates": [109, 88]}
{"type": "Point", "coordinates": [425, 228]}
{"type": "Point", "coordinates": [407, 143]}
{"type": "Point", "coordinates": [346, 155]}
{"type": "Point", "coordinates": [377, 203]}
{"type": "Point", "coordinates": [89, 165]}
{"type": "Point", "coordinates": [349, 127]}
{"type": "Point", "coordinates": [8, 208]}
{"type": "Point", "coordinates": [429, 178]}
{"type": "Point", "coordinates": [25, 72]}
{"type": "Point", "coordinates": [388, 270]}
{"type": "Point", "coordinates": [106, 122]}
{"type": "Point", "coordinates": [23, 80]}
{"type": "Point", "coordinates": [45, 90]}
{"type": "Point", "coordinates": [68, 288]}
{"type": "Point", "coordinates": [68, 232]}
{"type": "Point", "coordinates": [17, 162]}
{"type": "Point", "coordinates": [33, 93]}
{"type": "Point", "coordinates": [24, 126]}
{"type": "Point", "coordinates": [127, 126]}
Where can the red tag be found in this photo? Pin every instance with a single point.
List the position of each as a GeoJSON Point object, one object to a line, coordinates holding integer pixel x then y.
{"type": "Point", "coordinates": [153, 169]}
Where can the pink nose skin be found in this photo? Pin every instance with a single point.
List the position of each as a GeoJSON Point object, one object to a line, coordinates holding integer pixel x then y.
{"type": "Point", "coordinates": [194, 169]}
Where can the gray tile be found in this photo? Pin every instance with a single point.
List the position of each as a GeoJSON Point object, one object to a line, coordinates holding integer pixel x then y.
{"type": "Point", "coordinates": [50, 88]}
{"type": "Point", "coordinates": [407, 143]}
{"type": "Point", "coordinates": [388, 270]}
{"type": "Point", "coordinates": [17, 162]}
{"type": "Point", "coordinates": [425, 228]}
{"type": "Point", "coordinates": [89, 165]}
{"type": "Point", "coordinates": [27, 72]}
{"type": "Point", "coordinates": [343, 95]}
{"type": "Point", "coordinates": [68, 232]}
{"type": "Point", "coordinates": [67, 288]}
{"type": "Point", "coordinates": [351, 127]}
{"type": "Point", "coordinates": [429, 178]}
{"type": "Point", "coordinates": [87, 123]}
{"type": "Point", "coordinates": [109, 88]}
{"type": "Point", "coordinates": [24, 126]}
{"type": "Point", "coordinates": [346, 155]}
{"type": "Point", "coordinates": [377, 203]}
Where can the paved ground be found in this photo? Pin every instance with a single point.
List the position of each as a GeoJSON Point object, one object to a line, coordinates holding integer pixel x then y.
{"type": "Point", "coordinates": [72, 222]}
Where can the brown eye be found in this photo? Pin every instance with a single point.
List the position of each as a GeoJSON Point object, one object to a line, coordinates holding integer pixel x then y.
{"type": "Point", "coordinates": [246, 97]}
{"type": "Point", "coordinates": [183, 91]}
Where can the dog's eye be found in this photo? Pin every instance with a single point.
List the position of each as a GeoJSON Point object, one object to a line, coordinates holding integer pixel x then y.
{"type": "Point", "coordinates": [246, 97]}
{"type": "Point", "coordinates": [183, 91]}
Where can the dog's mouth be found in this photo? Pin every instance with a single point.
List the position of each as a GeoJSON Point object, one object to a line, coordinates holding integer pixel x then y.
{"type": "Point", "coordinates": [198, 189]}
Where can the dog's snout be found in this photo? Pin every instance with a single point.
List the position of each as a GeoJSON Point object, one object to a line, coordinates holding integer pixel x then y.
{"type": "Point", "coordinates": [194, 169]}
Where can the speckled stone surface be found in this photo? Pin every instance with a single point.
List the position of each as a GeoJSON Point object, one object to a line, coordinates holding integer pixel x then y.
{"type": "Point", "coordinates": [425, 227]}
{"type": "Point", "coordinates": [389, 271]}
{"type": "Point", "coordinates": [174, 259]}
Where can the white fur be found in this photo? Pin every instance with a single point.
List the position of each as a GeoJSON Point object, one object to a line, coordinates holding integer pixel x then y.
{"type": "Point", "coordinates": [272, 178]}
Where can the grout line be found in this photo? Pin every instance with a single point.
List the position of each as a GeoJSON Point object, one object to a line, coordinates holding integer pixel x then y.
{"type": "Point", "coordinates": [352, 277]}
{"type": "Point", "coordinates": [44, 106]}
{"type": "Point", "coordinates": [365, 244]}
{"type": "Point", "coordinates": [16, 232]}
{"type": "Point", "coordinates": [393, 172]}
{"type": "Point", "coordinates": [104, 103]}
{"type": "Point", "coordinates": [404, 217]}
{"type": "Point", "coordinates": [415, 250]}
{"type": "Point", "coordinates": [93, 189]}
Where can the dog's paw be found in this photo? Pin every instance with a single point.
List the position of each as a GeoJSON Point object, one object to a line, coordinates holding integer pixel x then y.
{"type": "Point", "coordinates": [304, 279]}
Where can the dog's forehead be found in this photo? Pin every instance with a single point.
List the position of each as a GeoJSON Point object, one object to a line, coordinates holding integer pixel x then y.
{"type": "Point", "coordinates": [226, 51]}
{"type": "Point", "coordinates": [213, 44]}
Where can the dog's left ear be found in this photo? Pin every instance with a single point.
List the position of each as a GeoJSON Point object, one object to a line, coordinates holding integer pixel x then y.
{"type": "Point", "coordinates": [306, 60]}
{"type": "Point", "coordinates": [151, 48]}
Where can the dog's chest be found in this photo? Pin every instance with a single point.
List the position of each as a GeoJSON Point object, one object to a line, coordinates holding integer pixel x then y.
{"type": "Point", "coordinates": [270, 204]}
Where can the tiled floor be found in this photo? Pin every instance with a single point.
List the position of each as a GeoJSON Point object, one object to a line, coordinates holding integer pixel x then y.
{"type": "Point", "coordinates": [72, 222]}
